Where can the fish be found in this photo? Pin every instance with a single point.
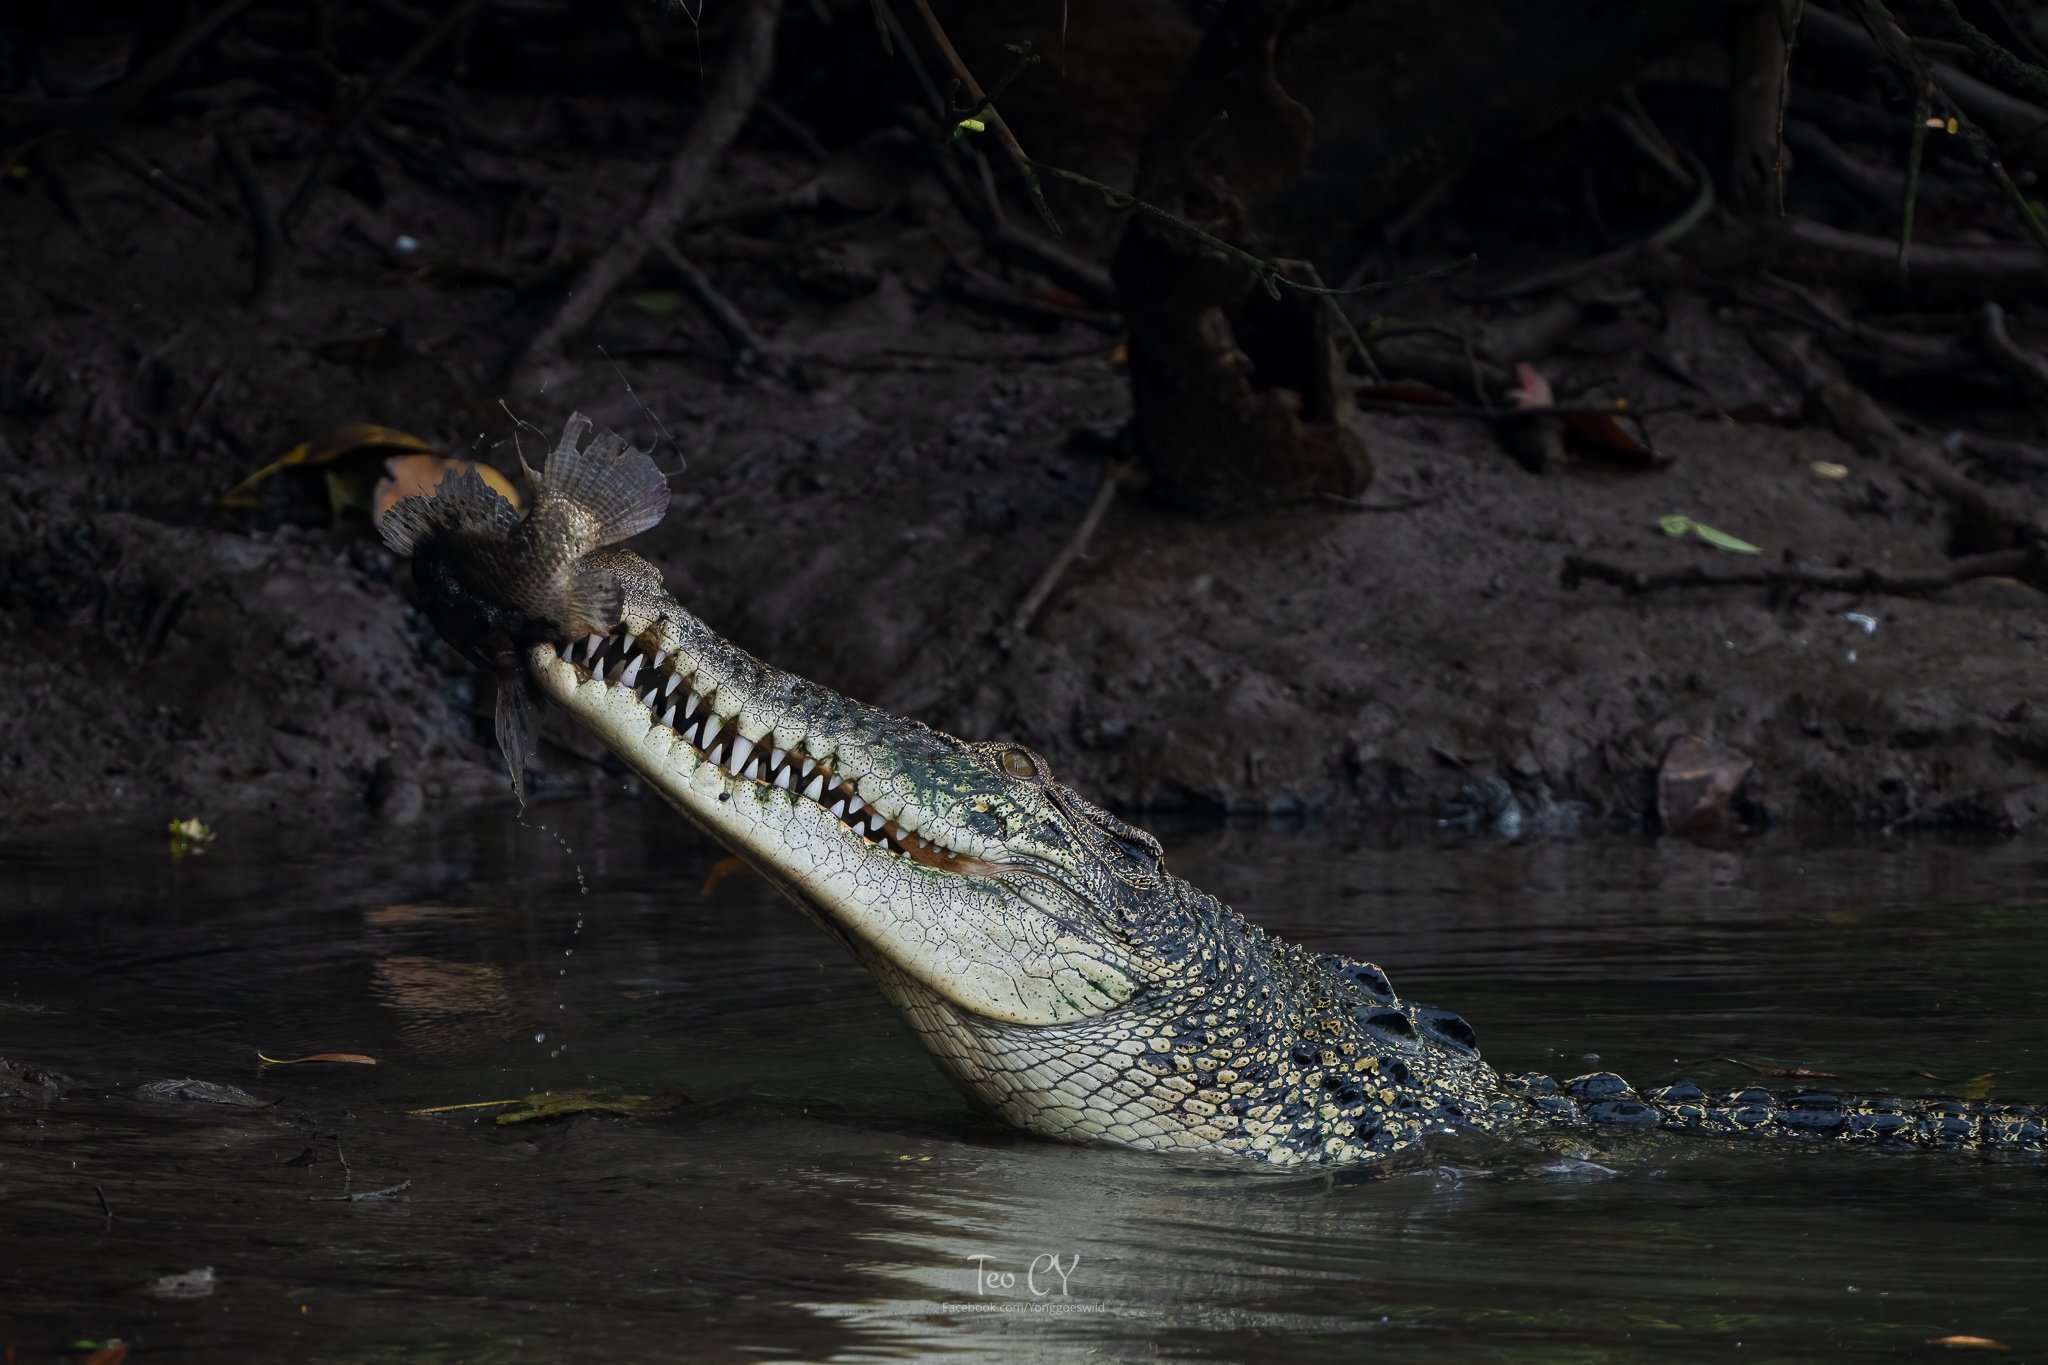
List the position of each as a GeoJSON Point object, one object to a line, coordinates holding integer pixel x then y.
{"type": "Point", "coordinates": [494, 582]}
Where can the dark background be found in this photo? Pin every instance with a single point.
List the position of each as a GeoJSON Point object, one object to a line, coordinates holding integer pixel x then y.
{"type": "Point", "coordinates": [1329, 573]}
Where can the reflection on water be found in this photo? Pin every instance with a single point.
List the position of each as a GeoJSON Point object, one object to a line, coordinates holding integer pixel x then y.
{"type": "Point", "coordinates": [826, 1196]}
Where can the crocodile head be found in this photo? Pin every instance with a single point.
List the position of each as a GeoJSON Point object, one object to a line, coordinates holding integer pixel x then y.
{"type": "Point", "coordinates": [963, 869]}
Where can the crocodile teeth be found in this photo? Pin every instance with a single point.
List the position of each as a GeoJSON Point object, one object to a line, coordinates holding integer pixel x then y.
{"type": "Point", "coordinates": [597, 670]}
{"type": "Point", "coordinates": [673, 683]}
{"type": "Point", "coordinates": [775, 757]}
{"type": "Point", "coordinates": [668, 717]}
{"type": "Point", "coordinates": [702, 739]}
{"type": "Point", "coordinates": [660, 657]}
{"type": "Point", "coordinates": [632, 672]}
{"type": "Point", "coordinates": [815, 789]}
{"type": "Point", "coordinates": [591, 645]}
{"type": "Point", "coordinates": [809, 764]}
{"type": "Point", "coordinates": [853, 804]}
{"type": "Point", "coordinates": [690, 706]}
{"type": "Point", "coordinates": [716, 755]}
{"type": "Point", "coordinates": [839, 810]}
{"type": "Point", "coordinates": [782, 778]}
{"type": "Point", "coordinates": [742, 750]}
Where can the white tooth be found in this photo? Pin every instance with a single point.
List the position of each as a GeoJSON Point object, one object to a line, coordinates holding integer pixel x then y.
{"type": "Point", "coordinates": [707, 731]}
{"type": "Point", "coordinates": [809, 763]}
{"type": "Point", "coordinates": [853, 804]}
{"type": "Point", "coordinates": [660, 657]}
{"type": "Point", "coordinates": [690, 706]}
{"type": "Point", "coordinates": [816, 789]}
{"type": "Point", "coordinates": [597, 670]}
{"type": "Point", "coordinates": [591, 645]}
{"type": "Point", "coordinates": [668, 717]}
{"type": "Point", "coordinates": [742, 750]}
{"type": "Point", "coordinates": [717, 756]}
{"type": "Point", "coordinates": [671, 685]}
{"type": "Point", "coordinates": [775, 757]}
{"type": "Point", "coordinates": [782, 778]}
{"type": "Point", "coordinates": [632, 672]}
{"type": "Point", "coordinates": [839, 809]}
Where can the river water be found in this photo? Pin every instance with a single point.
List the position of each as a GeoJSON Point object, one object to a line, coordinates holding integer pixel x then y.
{"type": "Point", "coordinates": [809, 1188]}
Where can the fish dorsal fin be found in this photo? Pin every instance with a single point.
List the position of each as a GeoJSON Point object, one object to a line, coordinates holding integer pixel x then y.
{"type": "Point", "coordinates": [462, 501]}
{"type": "Point", "coordinates": [619, 487]}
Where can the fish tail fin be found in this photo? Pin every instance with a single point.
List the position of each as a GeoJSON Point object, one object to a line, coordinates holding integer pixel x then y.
{"type": "Point", "coordinates": [515, 732]}
{"type": "Point", "coordinates": [462, 501]}
{"type": "Point", "coordinates": [620, 487]}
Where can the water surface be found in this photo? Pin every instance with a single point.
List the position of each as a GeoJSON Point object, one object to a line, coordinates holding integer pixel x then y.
{"type": "Point", "coordinates": [824, 1195]}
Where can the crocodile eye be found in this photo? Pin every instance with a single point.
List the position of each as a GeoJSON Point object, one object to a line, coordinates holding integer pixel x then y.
{"type": "Point", "coordinates": [1017, 763]}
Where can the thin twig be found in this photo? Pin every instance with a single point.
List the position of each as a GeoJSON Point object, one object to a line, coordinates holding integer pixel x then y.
{"type": "Point", "coordinates": [994, 118]}
{"type": "Point", "coordinates": [263, 234]}
{"type": "Point", "coordinates": [105, 1207]}
{"type": "Point", "coordinates": [1679, 227]}
{"type": "Point", "coordinates": [2015, 359]}
{"type": "Point", "coordinates": [749, 347]}
{"type": "Point", "coordinates": [747, 65]}
{"type": "Point", "coordinates": [157, 179]}
{"type": "Point", "coordinates": [2001, 564]}
{"type": "Point", "coordinates": [1270, 275]}
{"type": "Point", "coordinates": [1112, 479]}
{"type": "Point", "coordinates": [345, 131]}
{"type": "Point", "coordinates": [1916, 148]}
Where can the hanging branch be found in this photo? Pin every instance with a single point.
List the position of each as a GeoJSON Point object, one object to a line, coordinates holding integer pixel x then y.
{"type": "Point", "coordinates": [1026, 167]}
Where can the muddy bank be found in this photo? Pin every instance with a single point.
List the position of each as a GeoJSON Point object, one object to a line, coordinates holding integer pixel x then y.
{"type": "Point", "coordinates": [876, 525]}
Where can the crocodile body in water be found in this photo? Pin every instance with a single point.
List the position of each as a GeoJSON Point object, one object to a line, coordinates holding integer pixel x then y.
{"type": "Point", "coordinates": [1036, 943]}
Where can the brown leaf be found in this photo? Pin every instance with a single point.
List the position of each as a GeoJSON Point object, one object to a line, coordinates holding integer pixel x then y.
{"type": "Point", "coordinates": [1604, 433]}
{"type": "Point", "coordinates": [1532, 391]}
{"type": "Point", "coordinates": [355, 1057]}
{"type": "Point", "coordinates": [1696, 783]}
{"type": "Point", "coordinates": [1963, 1343]}
{"type": "Point", "coordinates": [1799, 1073]}
{"type": "Point", "coordinates": [341, 442]}
{"type": "Point", "coordinates": [720, 870]}
{"type": "Point", "coordinates": [1408, 391]}
{"type": "Point", "coordinates": [113, 1353]}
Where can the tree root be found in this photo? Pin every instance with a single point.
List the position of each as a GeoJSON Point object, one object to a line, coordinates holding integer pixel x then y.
{"type": "Point", "coordinates": [750, 349]}
{"type": "Point", "coordinates": [2001, 564]}
{"type": "Point", "coordinates": [1028, 608]}
{"type": "Point", "coordinates": [747, 64]}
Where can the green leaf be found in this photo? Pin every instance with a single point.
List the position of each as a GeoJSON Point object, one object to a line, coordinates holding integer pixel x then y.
{"type": "Point", "coordinates": [658, 301]}
{"type": "Point", "coordinates": [969, 125]}
{"type": "Point", "coordinates": [1722, 540]}
{"type": "Point", "coordinates": [564, 1103]}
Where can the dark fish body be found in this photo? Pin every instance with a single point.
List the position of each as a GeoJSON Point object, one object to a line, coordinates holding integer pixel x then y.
{"type": "Point", "coordinates": [494, 582]}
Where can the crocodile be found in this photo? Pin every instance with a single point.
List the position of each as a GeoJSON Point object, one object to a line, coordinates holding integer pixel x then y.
{"type": "Point", "coordinates": [1034, 942]}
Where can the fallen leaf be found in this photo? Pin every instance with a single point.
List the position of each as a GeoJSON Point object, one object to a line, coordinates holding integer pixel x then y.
{"type": "Point", "coordinates": [1794, 1073]}
{"type": "Point", "coordinates": [1828, 469]}
{"type": "Point", "coordinates": [342, 442]}
{"type": "Point", "coordinates": [1696, 783]}
{"type": "Point", "coordinates": [1977, 1087]}
{"type": "Point", "coordinates": [476, 1104]}
{"type": "Point", "coordinates": [406, 476]}
{"type": "Point", "coordinates": [1408, 391]}
{"type": "Point", "coordinates": [567, 1103]}
{"type": "Point", "coordinates": [1679, 525]}
{"type": "Point", "coordinates": [112, 1353]}
{"type": "Point", "coordinates": [190, 835]}
{"type": "Point", "coordinates": [720, 870]}
{"type": "Point", "coordinates": [658, 301]}
{"type": "Point", "coordinates": [356, 1057]}
{"type": "Point", "coordinates": [1963, 1343]}
{"type": "Point", "coordinates": [1532, 390]}
{"type": "Point", "coordinates": [1603, 432]}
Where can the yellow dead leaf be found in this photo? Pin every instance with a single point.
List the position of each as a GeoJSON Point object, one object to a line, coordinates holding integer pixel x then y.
{"type": "Point", "coordinates": [355, 438]}
{"type": "Point", "coordinates": [1963, 1343]}
{"type": "Point", "coordinates": [356, 1058]}
{"type": "Point", "coordinates": [1828, 469]}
